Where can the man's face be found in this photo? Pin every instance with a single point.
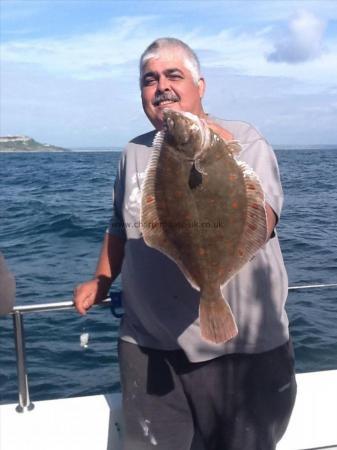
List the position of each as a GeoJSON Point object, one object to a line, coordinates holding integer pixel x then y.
{"type": "Point", "coordinates": [167, 83]}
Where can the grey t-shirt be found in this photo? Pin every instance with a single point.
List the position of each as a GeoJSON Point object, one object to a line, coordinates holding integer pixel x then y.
{"type": "Point", "coordinates": [161, 308]}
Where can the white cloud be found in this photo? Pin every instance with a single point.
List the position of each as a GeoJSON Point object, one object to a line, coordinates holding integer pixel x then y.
{"type": "Point", "coordinates": [303, 41]}
{"type": "Point", "coordinates": [114, 51]}
{"type": "Point", "coordinates": [82, 89]}
{"type": "Point", "coordinates": [87, 56]}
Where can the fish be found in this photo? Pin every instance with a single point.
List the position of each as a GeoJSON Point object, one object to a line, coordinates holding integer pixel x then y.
{"type": "Point", "coordinates": [205, 210]}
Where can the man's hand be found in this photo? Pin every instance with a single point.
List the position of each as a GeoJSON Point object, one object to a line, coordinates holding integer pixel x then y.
{"type": "Point", "coordinates": [85, 295]}
{"type": "Point", "coordinates": [108, 268]}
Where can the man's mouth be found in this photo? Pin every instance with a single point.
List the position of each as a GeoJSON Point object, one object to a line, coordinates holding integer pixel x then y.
{"type": "Point", "coordinates": [165, 103]}
{"type": "Point", "coordinates": [165, 99]}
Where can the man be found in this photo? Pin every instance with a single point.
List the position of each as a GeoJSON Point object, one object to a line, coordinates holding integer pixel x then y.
{"type": "Point", "coordinates": [180, 391]}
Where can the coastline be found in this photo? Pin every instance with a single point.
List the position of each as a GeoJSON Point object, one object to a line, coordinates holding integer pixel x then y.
{"type": "Point", "coordinates": [34, 151]}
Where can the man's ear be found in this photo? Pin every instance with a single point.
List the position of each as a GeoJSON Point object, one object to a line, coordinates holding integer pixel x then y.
{"type": "Point", "coordinates": [201, 87]}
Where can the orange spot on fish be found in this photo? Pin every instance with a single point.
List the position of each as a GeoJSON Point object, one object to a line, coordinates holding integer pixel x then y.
{"type": "Point", "coordinates": [240, 252]}
{"type": "Point", "coordinates": [202, 251]}
{"type": "Point", "coordinates": [255, 206]}
{"type": "Point", "coordinates": [251, 187]}
{"type": "Point", "coordinates": [232, 177]}
{"type": "Point", "coordinates": [252, 227]}
{"type": "Point", "coordinates": [235, 205]}
{"type": "Point", "coordinates": [150, 199]}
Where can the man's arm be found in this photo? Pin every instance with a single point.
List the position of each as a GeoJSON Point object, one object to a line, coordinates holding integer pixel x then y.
{"type": "Point", "coordinates": [108, 268]}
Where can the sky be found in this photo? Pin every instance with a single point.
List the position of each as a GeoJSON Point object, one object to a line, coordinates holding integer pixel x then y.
{"type": "Point", "coordinates": [69, 69]}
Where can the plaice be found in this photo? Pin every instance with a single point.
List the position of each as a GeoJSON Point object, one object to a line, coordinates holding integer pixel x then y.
{"type": "Point", "coordinates": [205, 210]}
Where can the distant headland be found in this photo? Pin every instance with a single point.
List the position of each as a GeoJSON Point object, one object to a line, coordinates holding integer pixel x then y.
{"type": "Point", "coordinates": [26, 144]}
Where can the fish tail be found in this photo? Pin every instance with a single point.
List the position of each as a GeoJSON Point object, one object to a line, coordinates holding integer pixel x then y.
{"type": "Point", "coordinates": [217, 322]}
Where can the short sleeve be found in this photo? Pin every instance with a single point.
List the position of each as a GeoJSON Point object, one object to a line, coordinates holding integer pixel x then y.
{"type": "Point", "coordinates": [116, 224]}
{"type": "Point", "coordinates": [259, 155]}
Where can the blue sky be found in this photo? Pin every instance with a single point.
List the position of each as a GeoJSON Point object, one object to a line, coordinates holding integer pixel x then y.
{"type": "Point", "coordinates": [69, 69]}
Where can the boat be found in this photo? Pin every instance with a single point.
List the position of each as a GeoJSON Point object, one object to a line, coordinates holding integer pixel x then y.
{"type": "Point", "coordinates": [95, 422]}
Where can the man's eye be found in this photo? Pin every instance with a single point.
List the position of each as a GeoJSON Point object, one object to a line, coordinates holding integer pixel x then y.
{"type": "Point", "coordinates": [148, 81]}
{"type": "Point", "coordinates": [175, 76]}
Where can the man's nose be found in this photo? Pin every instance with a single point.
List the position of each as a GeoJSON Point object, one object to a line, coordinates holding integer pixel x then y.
{"type": "Point", "coordinates": [163, 84]}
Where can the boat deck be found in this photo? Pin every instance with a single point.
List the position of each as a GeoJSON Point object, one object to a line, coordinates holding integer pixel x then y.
{"type": "Point", "coordinates": [94, 422]}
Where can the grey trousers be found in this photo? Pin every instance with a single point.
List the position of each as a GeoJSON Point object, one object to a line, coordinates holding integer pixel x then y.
{"type": "Point", "coordinates": [234, 402]}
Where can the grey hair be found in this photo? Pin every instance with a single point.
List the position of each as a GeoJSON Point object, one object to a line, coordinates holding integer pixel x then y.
{"type": "Point", "coordinates": [191, 60]}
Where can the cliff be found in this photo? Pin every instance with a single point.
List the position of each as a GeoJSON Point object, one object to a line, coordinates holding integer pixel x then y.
{"type": "Point", "coordinates": [26, 144]}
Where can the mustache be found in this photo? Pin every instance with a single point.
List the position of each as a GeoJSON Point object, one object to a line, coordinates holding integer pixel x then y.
{"type": "Point", "coordinates": [165, 96]}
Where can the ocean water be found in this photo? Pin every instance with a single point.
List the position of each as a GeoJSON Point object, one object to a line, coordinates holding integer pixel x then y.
{"type": "Point", "coordinates": [54, 209]}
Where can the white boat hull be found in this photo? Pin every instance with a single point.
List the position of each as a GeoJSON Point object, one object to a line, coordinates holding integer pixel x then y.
{"type": "Point", "coordinates": [94, 422]}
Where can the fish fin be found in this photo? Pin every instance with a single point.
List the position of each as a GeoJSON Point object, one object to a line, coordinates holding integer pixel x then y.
{"type": "Point", "coordinates": [158, 140]}
{"type": "Point", "coordinates": [255, 233]}
{"type": "Point", "coordinates": [217, 323]}
{"type": "Point", "coordinates": [150, 222]}
{"type": "Point", "coordinates": [234, 146]}
{"type": "Point", "coordinates": [150, 225]}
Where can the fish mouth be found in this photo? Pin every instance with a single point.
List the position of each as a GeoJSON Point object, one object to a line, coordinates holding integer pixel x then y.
{"type": "Point", "coordinates": [169, 118]}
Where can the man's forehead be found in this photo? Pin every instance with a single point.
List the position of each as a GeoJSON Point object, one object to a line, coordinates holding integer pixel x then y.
{"type": "Point", "coordinates": [166, 60]}
{"type": "Point", "coordinates": [166, 70]}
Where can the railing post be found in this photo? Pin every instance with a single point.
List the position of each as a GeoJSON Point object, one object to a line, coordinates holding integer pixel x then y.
{"type": "Point", "coordinates": [23, 388]}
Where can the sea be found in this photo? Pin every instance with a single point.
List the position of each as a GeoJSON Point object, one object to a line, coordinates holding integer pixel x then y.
{"type": "Point", "coordinates": [54, 209]}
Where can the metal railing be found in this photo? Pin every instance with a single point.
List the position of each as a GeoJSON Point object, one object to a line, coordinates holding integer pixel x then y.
{"type": "Point", "coordinates": [19, 311]}
{"type": "Point", "coordinates": [20, 348]}
{"type": "Point", "coordinates": [311, 286]}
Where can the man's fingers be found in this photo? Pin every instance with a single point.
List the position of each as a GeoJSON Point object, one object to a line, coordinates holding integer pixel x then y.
{"type": "Point", "coordinates": [82, 298]}
{"type": "Point", "coordinates": [82, 306]}
{"type": "Point", "coordinates": [85, 295]}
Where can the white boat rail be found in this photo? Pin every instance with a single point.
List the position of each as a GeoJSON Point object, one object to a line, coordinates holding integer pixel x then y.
{"type": "Point", "coordinates": [114, 301]}
{"type": "Point", "coordinates": [20, 348]}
